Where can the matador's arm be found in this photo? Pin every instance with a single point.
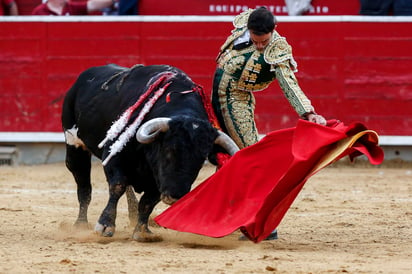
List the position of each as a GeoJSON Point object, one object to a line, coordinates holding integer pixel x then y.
{"type": "Point", "coordinates": [295, 95]}
{"type": "Point", "coordinates": [279, 55]}
{"type": "Point", "coordinates": [291, 89]}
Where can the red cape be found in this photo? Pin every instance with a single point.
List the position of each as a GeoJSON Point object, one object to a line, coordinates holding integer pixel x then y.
{"type": "Point", "coordinates": [255, 188]}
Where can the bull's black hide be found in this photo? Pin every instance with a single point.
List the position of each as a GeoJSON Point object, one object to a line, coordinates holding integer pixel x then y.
{"type": "Point", "coordinates": [170, 152]}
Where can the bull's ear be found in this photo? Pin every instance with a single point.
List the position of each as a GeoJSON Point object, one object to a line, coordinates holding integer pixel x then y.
{"type": "Point", "coordinates": [148, 132]}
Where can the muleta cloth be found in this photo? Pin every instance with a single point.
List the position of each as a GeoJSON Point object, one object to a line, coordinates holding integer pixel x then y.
{"type": "Point", "coordinates": [255, 188]}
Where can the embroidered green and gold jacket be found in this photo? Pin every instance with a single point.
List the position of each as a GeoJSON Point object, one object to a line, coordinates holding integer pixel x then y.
{"type": "Point", "coordinates": [250, 70]}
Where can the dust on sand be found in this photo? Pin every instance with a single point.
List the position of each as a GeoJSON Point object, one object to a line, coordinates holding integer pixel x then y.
{"type": "Point", "coordinates": [346, 219]}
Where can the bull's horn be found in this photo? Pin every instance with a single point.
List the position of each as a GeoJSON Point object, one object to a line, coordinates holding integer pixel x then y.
{"type": "Point", "coordinates": [226, 142]}
{"type": "Point", "coordinates": [149, 130]}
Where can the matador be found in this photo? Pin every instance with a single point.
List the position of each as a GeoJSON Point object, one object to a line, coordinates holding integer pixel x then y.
{"type": "Point", "coordinates": [252, 57]}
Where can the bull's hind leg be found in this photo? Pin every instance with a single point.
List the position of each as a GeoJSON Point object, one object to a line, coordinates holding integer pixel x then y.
{"type": "Point", "coordinates": [132, 204]}
{"type": "Point", "coordinates": [142, 232]}
{"type": "Point", "coordinates": [78, 161]}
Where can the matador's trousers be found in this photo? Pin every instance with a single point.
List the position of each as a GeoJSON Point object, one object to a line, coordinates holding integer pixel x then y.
{"type": "Point", "coordinates": [234, 110]}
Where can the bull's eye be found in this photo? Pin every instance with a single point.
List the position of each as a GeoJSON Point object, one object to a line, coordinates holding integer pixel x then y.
{"type": "Point", "coordinates": [195, 126]}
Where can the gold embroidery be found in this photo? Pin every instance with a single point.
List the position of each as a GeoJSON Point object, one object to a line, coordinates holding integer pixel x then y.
{"type": "Point", "coordinates": [279, 51]}
{"type": "Point", "coordinates": [240, 20]}
{"type": "Point", "coordinates": [237, 109]}
{"type": "Point", "coordinates": [231, 65]}
{"type": "Point", "coordinates": [249, 87]}
{"type": "Point", "coordinates": [249, 75]}
{"type": "Point", "coordinates": [256, 67]}
{"type": "Point", "coordinates": [291, 89]}
{"type": "Point", "coordinates": [252, 77]}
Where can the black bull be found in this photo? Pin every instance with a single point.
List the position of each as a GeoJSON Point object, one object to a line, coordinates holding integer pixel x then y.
{"type": "Point", "coordinates": [152, 130]}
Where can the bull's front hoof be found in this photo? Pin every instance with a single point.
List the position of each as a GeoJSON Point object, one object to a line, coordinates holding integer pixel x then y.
{"type": "Point", "coordinates": [143, 234]}
{"type": "Point", "coordinates": [82, 225]}
{"type": "Point", "coordinates": [145, 237]}
{"type": "Point", "coordinates": [105, 231]}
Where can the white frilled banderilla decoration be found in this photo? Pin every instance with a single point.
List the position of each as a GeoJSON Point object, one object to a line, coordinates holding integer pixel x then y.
{"type": "Point", "coordinates": [122, 134]}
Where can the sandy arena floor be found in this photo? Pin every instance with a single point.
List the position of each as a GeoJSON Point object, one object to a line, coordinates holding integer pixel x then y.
{"type": "Point", "coordinates": [346, 219]}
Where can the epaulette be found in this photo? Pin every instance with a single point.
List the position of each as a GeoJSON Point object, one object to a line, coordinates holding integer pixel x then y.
{"type": "Point", "coordinates": [240, 24]}
{"type": "Point", "coordinates": [279, 51]}
{"type": "Point", "coordinates": [240, 20]}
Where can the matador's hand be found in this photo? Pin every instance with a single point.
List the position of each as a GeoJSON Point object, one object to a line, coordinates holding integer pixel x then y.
{"type": "Point", "coordinates": [315, 118]}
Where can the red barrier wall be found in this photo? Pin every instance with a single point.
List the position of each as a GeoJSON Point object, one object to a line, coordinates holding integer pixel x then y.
{"type": "Point", "coordinates": [352, 70]}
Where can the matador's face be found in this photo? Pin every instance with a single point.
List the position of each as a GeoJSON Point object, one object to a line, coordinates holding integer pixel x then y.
{"type": "Point", "coordinates": [261, 41]}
